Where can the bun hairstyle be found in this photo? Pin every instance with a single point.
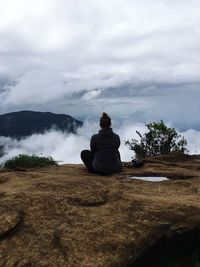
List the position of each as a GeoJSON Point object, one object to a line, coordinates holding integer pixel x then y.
{"type": "Point", "coordinates": [105, 121]}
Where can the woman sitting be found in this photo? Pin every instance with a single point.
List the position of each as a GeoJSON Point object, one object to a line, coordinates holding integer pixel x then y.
{"type": "Point", "coordinates": [104, 157]}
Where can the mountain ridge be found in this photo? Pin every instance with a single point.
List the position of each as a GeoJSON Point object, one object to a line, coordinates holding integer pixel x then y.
{"type": "Point", "coordinates": [25, 123]}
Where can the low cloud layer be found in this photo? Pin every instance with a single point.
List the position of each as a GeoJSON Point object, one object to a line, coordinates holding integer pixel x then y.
{"type": "Point", "coordinates": [66, 148]}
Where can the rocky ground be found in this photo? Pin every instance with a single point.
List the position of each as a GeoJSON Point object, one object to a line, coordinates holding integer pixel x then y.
{"type": "Point", "coordinates": [64, 216]}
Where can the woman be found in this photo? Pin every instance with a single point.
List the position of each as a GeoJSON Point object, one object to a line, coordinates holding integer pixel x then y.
{"type": "Point", "coordinates": [104, 157]}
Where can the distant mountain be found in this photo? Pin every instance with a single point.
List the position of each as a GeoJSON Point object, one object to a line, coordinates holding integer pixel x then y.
{"type": "Point", "coordinates": [25, 123]}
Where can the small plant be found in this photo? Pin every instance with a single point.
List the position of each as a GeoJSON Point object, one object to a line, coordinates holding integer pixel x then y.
{"type": "Point", "coordinates": [26, 161]}
{"type": "Point", "coordinates": [159, 140]}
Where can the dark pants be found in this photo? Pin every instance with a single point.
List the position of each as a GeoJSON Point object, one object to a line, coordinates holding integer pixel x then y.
{"type": "Point", "coordinates": [87, 157]}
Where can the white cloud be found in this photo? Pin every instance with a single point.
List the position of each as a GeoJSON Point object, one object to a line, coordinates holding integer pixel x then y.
{"type": "Point", "coordinates": [193, 138]}
{"type": "Point", "coordinates": [36, 87]}
{"type": "Point", "coordinates": [52, 49]}
{"type": "Point", "coordinates": [66, 148]}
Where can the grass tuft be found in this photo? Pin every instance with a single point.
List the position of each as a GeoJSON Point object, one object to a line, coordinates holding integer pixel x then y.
{"type": "Point", "coordinates": [27, 161]}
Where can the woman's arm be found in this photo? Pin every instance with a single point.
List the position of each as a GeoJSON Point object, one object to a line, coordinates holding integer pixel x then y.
{"type": "Point", "coordinates": [93, 144]}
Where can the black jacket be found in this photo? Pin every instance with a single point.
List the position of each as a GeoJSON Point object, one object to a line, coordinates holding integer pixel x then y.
{"type": "Point", "coordinates": [105, 146]}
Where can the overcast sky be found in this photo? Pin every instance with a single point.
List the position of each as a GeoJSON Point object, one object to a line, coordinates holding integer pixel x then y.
{"type": "Point", "coordinates": [132, 58]}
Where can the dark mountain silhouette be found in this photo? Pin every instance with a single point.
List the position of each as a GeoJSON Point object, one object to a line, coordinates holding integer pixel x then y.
{"type": "Point", "coordinates": [25, 123]}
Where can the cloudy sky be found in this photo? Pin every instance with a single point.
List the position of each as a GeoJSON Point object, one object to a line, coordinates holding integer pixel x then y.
{"type": "Point", "coordinates": [132, 58]}
{"type": "Point", "coordinates": [137, 60]}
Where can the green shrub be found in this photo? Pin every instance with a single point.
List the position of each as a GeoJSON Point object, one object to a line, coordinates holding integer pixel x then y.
{"type": "Point", "coordinates": [26, 161]}
{"type": "Point", "coordinates": [159, 140]}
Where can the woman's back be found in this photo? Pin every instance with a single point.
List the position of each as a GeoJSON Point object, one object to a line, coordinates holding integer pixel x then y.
{"type": "Point", "coordinates": [104, 157]}
{"type": "Point", "coordinates": [105, 146]}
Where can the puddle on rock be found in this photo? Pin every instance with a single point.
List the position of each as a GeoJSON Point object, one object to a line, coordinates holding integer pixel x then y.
{"type": "Point", "coordinates": [150, 178]}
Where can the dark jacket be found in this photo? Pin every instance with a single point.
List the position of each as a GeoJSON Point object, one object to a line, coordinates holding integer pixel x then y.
{"type": "Point", "coordinates": [105, 146]}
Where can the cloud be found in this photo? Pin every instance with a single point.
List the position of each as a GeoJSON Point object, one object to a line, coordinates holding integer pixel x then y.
{"type": "Point", "coordinates": [131, 58]}
{"type": "Point", "coordinates": [193, 138]}
{"type": "Point", "coordinates": [66, 148]}
{"type": "Point", "coordinates": [137, 60]}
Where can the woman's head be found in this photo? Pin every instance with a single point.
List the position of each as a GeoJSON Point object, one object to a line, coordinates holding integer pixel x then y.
{"type": "Point", "coordinates": [105, 121]}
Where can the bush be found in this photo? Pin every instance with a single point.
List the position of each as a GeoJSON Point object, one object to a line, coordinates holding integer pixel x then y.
{"type": "Point", "coordinates": [26, 161]}
{"type": "Point", "coordinates": [159, 140]}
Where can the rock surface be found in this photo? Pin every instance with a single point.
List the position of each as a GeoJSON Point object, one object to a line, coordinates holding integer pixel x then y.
{"type": "Point", "coordinates": [64, 216]}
